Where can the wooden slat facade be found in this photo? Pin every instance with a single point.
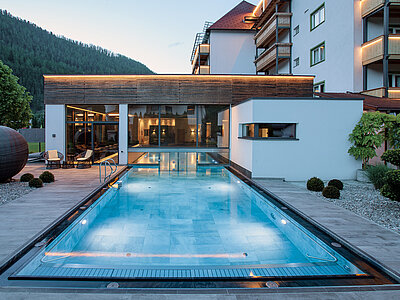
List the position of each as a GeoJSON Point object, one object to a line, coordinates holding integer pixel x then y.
{"type": "Point", "coordinates": [171, 89]}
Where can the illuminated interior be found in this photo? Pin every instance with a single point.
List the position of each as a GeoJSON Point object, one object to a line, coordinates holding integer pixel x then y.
{"type": "Point", "coordinates": [92, 127]}
{"type": "Point", "coordinates": [179, 126]}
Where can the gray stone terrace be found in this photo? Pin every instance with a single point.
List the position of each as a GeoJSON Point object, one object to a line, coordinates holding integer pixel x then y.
{"type": "Point", "coordinates": [22, 219]}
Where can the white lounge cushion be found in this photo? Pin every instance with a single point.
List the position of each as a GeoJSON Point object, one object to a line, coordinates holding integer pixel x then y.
{"type": "Point", "coordinates": [52, 154]}
{"type": "Point", "coordinates": [81, 159]}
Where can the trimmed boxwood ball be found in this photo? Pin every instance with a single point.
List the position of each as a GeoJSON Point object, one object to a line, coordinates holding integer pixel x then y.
{"type": "Point", "coordinates": [331, 192]}
{"type": "Point", "coordinates": [36, 183]}
{"type": "Point", "coordinates": [315, 184]}
{"type": "Point", "coordinates": [26, 177]}
{"type": "Point", "coordinates": [47, 177]}
{"type": "Point", "coordinates": [336, 183]}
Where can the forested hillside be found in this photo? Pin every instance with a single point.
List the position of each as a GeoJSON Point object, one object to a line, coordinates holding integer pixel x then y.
{"type": "Point", "coordinates": [31, 52]}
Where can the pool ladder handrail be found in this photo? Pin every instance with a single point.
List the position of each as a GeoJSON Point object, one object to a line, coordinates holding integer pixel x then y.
{"type": "Point", "coordinates": [110, 163]}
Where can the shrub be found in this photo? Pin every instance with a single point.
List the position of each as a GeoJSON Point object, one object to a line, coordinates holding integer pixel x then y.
{"type": "Point", "coordinates": [376, 174]}
{"type": "Point", "coordinates": [386, 191]}
{"type": "Point", "coordinates": [36, 183]}
{"type": "Point", "coordinates": [47, 177]}
{"type": "Point", "coordinates": [331, 192]}
{"type": "Point", "coordinates": [391, 189]}
{"type": "Point", "coordinates": [315, 184]}
{"type": "Point", "coordinates": [26, 177]}
{"type": "Point", "coordinates": [392, 157]}
{"type": "Point", "coordinates": [336, 183]}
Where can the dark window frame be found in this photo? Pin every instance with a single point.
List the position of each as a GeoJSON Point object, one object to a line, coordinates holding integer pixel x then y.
{"type": "Point", "coordinates": [256, 131]}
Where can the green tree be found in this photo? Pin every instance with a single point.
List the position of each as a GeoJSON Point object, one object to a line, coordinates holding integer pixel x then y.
{"type": "Point", "coordinates": [14, 100]}
{"type": "Point", "coordinates": [392, 125]}
{"type": "Point", "coordinates": [367, 136]}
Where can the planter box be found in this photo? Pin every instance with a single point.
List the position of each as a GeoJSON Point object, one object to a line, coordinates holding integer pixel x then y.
{"type": "Point", "coordinates": [362, 176]}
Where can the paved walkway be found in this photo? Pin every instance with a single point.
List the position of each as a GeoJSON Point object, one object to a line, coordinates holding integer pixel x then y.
{"type": "Point", "coordinates": [377, 241]}
{"type": "Point", "coordinates": [26, 216]}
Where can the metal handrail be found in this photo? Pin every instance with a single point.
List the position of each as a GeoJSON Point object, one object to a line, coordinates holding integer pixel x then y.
{"type": "Point", "coordinates": [110, 163]}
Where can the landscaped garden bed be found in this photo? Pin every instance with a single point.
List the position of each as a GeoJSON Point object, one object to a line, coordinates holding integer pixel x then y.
{"type": "Point", "coordinates": [13, 190]}
{"type": "Point", "coordinates": [364, 200]}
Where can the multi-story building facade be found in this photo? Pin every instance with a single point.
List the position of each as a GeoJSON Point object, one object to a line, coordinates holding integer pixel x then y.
{"type": "Point", "coordinates": [226, 46]}
{"type": "Point", "coordinates": [349, 46]}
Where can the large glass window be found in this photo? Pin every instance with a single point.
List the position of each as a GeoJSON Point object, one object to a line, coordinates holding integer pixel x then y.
{"type": "Point", "coordinates": [143, 125]}
{"type": "Point", "coordinates": [92, 127]}
{"type": "Point", "coordinates": [179, 126]}
{"type": "Point", "coordinates": [213, 126]}
{"type": "Point", "coordinates": [268, 130]}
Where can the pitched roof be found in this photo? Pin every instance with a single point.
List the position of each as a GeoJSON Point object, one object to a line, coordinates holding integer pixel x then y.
{"type": "Point", "coordinates": [233, 20]}
{"type": "Point", "coordinates": [370, 102]}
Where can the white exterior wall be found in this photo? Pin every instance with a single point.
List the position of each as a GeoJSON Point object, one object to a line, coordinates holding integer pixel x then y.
{"type": "Point", "coordinates": [342, 33]}
{"type": "Point", "coordinates": [123, 134]}
{"type": "Point", "coordinates": [232, 52]}
{"type": "Point", "coordinates": [323, 127]}
{"type": "Point", "coordinates": [55, 128]}
{"type": "Point", "coordinates": [241, 150]}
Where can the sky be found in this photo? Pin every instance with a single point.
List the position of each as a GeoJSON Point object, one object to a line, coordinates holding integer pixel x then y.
{"type": "Point", "coordinates": [158, 33]}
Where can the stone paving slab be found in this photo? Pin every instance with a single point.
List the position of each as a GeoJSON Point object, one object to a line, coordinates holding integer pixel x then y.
{"type": "Point", "coordinates": [377, 241]}
{"type": "Point", "coordinates": [23, 218]}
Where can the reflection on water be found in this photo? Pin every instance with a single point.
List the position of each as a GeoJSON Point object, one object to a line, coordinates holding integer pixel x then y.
{"type": "Point", "coordinates": [178, 161]}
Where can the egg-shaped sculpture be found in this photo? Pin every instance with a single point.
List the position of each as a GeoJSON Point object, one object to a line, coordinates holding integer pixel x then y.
{"type": "Point", "coordinates": [14, 153]}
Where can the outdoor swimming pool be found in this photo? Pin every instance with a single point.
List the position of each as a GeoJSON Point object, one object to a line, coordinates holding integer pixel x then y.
{"type": "Point", "coordinates": [200, 223]}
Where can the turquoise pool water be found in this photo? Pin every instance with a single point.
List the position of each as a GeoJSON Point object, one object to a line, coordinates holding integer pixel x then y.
{"type": "Point", "coordinates": [203, 222]}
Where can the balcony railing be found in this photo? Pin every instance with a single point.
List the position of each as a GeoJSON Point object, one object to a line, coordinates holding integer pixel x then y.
{"type": "Point", "coordinates": [268, 58]}
{"type": "Point", "coordinates": [203, 50]}
{"type": "Point", "coordinates": [369, 6]}
{"type": "Point", "coordinates": [393, 92]}
{"type": "Point", "coordinates": [267, 32]}
{"type": "Point", "coordinates": [373, 51]}
{"type": "Point", "coordinates": [202, 70]}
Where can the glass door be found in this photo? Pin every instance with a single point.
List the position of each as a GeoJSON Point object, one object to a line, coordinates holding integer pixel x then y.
{"type": "Point", "coordinates": [105, 141]}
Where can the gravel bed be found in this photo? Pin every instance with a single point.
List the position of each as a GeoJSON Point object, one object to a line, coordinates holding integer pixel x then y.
{"type": "Point", "coordinates": [13, 190]}
{"type": "Point", "coordinates": [364, 200]}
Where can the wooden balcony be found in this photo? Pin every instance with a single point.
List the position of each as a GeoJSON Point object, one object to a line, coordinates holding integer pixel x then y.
{"type": "Point", "coordinates": [267, 33]}
{"type": "Point", "coordinates": [268, 58]}
{"type": "Point", "coordinates": [393, 92]}
{"type": "Point", "coordinates": [369, 6]}
{"type": "Point", "coordinates": [203, 50]}
{"type": "Point", "coordinates": [373, 51]}
{"type": "Point", "coordinates": [200, 57]}
{"type": "Point", "coordinates": [202, 70]}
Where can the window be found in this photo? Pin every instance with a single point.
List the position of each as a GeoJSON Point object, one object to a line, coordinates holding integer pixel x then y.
{"type": "Point", "coordinates": [296, 62]}
{"type": "Point", "coordinates": [394, 80]}
{"type": "Point", "coordinates": [319, 87]}
{"type": "Point", "coordinates": [178, 125]}
{"type": "Point", "coordinates": [317, 54]}
{"type": "Point", "coordinates": [92, 127]}
{"type": "Point", "coordinates": [318, 17]}
{"type": "Point", "coordinates": [296, 30]}
{"type": "Point", "coordinates": [268, 131]}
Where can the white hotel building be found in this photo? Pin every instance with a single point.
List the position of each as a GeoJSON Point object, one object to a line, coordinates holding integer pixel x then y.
{"type": "Point", "coordinates": [348, 45]}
